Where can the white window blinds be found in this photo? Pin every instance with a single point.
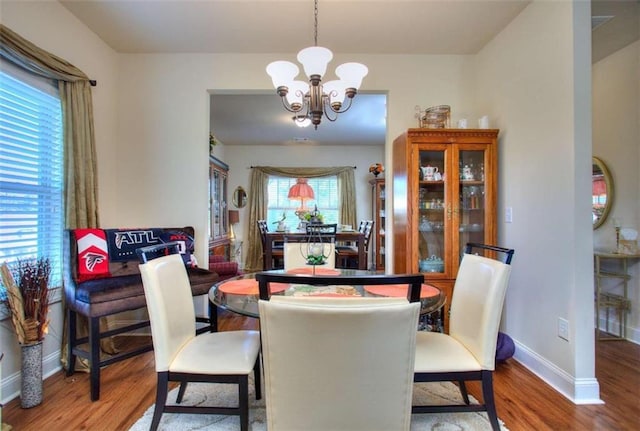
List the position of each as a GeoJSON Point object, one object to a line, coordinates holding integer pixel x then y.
{"type": "Point", "coordinates": [31, 170]}
{"type": "Point", "coordinates": [326, 193]}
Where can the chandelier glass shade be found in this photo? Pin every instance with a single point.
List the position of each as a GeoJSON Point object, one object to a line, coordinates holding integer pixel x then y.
{"type": "Point", "coordinates": [314, 99]}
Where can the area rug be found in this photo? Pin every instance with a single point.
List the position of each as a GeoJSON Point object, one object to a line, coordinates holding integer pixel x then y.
{"type": "Point", "coordinates": [227, 395]}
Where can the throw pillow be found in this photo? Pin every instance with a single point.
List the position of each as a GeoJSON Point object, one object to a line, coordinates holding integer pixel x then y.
{"type": "Point", "coordinates": [123, 243]}
{"type": "Point", "coordinates": [186, 241]}
{"type": "Point", "coordinates": [505, 348]}
{"type": "Point", "coordinates": [93, 254]}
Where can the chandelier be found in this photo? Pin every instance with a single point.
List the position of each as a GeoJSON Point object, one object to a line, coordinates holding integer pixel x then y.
{"type": "Point", "coordinates": [314, 99]}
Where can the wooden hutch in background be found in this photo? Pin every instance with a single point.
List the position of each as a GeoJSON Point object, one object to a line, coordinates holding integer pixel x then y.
{"type": "Point", "coordinates": [219, 242]}
{"type": "Point", "coordinates": [445, 195]}
{"type": "Point", "coordinates": [378, 215]}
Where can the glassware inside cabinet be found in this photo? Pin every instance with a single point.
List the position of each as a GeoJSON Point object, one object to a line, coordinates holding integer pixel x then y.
{"type": "Point", "coordinates": [472, 197]}
{"type": "Point", "coordinates": [431, 212]}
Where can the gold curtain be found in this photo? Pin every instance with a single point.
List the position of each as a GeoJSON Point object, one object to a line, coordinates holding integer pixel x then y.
{"type": "Point", "coordinates": [81, 181]}
{"type": "Point", "coordinates": [258, 201]}
{"type": "Point", "coordinates": [80, 188]}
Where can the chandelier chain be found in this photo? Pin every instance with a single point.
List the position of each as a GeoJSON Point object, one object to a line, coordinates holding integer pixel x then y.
{"type": "Point", "coordinates": [315, 23]}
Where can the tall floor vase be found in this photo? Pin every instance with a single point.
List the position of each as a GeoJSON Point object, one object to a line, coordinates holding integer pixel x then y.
{"type": "Point", "coordinates": [31, 390]}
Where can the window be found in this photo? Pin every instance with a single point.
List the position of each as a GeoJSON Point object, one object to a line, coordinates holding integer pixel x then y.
{"type": "Point", "coordinates": [326, 192]}
{"type": "Point", "coordinates": [31, 169]}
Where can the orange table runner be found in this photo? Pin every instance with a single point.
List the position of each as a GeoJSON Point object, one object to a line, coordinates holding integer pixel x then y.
{"type": "Point", "coordinates": [249, 286]}
{"type": "Point", "coordinates": [401, 290]}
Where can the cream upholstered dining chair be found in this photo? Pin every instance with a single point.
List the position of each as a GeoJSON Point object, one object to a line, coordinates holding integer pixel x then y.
{"type": "Point", "coordinates": [468, 352]}
{"type": "Point", "coordinates": [339, 364]}
{"type": "Point", "coordinates": [180, 355]}
{"type": "Point", "coordinates": [295, 252]}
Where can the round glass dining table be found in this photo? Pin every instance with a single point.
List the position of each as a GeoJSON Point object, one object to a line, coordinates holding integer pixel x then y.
{"type": "Point", "coordinates": [240, 294]}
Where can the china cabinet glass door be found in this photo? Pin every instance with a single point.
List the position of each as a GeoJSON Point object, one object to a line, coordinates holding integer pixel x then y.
{"type": "Point", "coordinates": [451, 206]}
{"type": "Point", "coordinates": [472, 198]}
{"type": "Point", "coordinates": [433, 211]}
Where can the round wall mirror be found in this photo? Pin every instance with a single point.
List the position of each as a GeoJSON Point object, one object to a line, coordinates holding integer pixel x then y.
{"type": "Point", "coordinates": [601, 191]}
{"type": "Point", "coordinates": [239, 197]}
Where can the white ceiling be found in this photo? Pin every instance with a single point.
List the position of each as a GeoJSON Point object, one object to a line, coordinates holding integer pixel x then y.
{"type": "Point", "coordinates": [243, 119]}
{"type": "Point", "coordinates": [265, 26]}
{"type": "Point", "coordinates": [622, 26]}
{"type": "Point", "coordinates": [285, 27]}
{"type": "Point", "coordinates": [344, 26]}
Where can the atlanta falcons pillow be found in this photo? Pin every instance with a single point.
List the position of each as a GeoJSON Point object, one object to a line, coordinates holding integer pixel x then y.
{"type": "Point", "coordinates": [93, 254]}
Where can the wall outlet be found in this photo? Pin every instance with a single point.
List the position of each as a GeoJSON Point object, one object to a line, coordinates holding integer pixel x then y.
{"type": "Point", "coordinates": [563, 328]}
{"type": "Point", "coordinates": [508, 215]}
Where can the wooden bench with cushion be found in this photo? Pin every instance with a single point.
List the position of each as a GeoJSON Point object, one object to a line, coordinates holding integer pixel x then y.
{"type": "Point", "coordinates": [101, 278]}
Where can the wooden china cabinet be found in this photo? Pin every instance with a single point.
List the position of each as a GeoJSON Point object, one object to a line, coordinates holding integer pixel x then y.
{"type": "Point", "coordinates": [445, 195]}
{"type": "Point", "coordinates": [378, 215]}
{"type": "Point", "coordinates": [218, 212]}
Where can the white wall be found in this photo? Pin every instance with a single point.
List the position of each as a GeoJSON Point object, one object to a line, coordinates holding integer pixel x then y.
{"type": "Point", "coordinates": [527, 82]}
{"type": "Point", "coordinates": [53, 28]}
{"type": "Point", "coordinates": [616, 140]}
{"type": "Point", "coordinates": [153, 126]}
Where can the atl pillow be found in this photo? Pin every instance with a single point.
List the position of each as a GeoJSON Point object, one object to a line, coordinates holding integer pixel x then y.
{"type": "Point", "coordinates": [123, 243]}
{"type": "Point", "coordinates": [186, 244]}
{"type": "Point", "coordinates": [93, 254]}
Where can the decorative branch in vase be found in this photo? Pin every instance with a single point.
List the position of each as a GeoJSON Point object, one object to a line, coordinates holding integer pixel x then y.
{"type": "Point", "coordinates": [25, 293]}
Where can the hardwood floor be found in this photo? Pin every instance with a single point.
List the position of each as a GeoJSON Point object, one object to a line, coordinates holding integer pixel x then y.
{"type": "Point", "coordinates": [524, 401]}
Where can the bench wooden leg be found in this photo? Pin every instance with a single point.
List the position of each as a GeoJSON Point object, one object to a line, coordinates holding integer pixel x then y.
{"type": "Point", "coordinates": [94, 351]}
{"type": "Point", "coordinates": [71, 341]}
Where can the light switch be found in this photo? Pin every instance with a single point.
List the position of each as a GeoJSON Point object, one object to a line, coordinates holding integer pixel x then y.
{"type": "Point", "coordinates": [508, 215]}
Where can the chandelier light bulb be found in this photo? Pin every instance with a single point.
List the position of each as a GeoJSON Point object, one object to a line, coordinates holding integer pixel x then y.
{"type": "Point", "coordinates": [302, 121]}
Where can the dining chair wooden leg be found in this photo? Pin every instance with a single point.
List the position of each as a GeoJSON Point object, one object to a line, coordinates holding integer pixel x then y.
{"type": "Point", "coordinates": [463, 391]}
{"type": "Point", "coordinates": [161, 399]}
{"type": "Point", "coordinates": [181, 391]}
{"type": "Point", "coordinates": [489, 400]}
{"type": "Point", "coordinates": [243, 393]}
{"type": "Point", "coordinates": [257, 383]}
